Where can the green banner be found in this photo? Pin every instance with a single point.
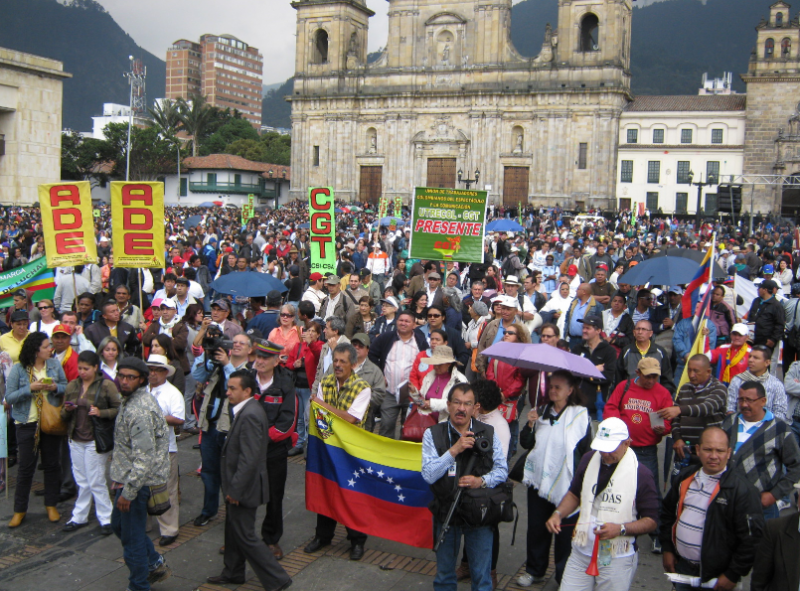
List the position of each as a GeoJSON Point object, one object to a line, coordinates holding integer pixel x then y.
{"type": "Point", "coordinates": [34, 277]}
{"type": "Point", "coordinates": [448, 224]}
{"type": "Point", "coordinates": [322, 230]}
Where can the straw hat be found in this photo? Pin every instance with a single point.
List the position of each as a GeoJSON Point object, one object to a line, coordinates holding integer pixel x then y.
{"type": "Point", "coordinates": [441, 356]}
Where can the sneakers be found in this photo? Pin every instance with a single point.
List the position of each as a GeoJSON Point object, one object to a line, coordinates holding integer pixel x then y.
{"type": "Point", "coordinates": [656, 548]}
{"type": "Point", "coordinates": [783, 504]}
{"type": "Point", "coordinates": [201, 520]}
{"type": "Point", "coordinates": [160, 571]}
{"type": "Point", "coordinates": [527, 579]}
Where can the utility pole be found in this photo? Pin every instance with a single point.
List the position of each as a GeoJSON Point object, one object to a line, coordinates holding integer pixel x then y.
{"type": "Point", "coordinates": [136, 77]}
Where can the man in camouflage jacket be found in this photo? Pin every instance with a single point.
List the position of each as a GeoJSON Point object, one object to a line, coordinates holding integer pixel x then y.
{"type": "Point", "coordinates": [140, 460]}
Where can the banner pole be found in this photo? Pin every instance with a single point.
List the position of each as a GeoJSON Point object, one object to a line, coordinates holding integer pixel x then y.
{"type": "Point", "coordinates": [141, 302]}
{"type": "Point", "coordinates": [74, 290]}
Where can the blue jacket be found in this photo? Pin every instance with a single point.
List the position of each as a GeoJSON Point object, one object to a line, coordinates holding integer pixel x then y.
{"type": "Point", "coordinates": [683, 339]}
{"type": "Point", "coordinates": [18, 389]}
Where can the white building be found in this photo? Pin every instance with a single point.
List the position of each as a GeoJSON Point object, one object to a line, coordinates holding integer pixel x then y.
{"type": "Point", "coordinates": [664, 138]}
{"type": "Point", "coordinates": [114, 113]}
{"type": "Point", "coordinates": [229, 180]}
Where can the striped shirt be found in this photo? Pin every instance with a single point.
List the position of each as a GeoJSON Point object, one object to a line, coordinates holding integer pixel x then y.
{"type": "Point", "coordinates": [689, 531]}
{"type": "Point", "coordinates": [776, 396]}
{"type": "Point", "coordinates": [399, 362]}
{"type": "Point", "coordinates": [744, 429]}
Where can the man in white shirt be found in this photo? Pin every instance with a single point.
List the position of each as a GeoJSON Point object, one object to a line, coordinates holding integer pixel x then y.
{"type": "Point", "coordinates": [314, 293]}
{"type": "Point", "coordinates": [170, 399]}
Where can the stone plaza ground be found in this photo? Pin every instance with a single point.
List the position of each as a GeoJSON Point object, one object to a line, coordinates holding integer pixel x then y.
{"type": "Point", "coordinates": [38, 555]}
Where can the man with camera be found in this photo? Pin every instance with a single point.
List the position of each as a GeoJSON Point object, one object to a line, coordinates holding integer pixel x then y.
{"type": "Point", "coordinates": [212, 366]}
{"type": "Point", "coordinates": [461, 452]}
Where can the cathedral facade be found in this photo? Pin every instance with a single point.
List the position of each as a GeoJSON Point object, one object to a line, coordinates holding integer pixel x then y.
{"type": "Point", "coordinates": [451, 100]}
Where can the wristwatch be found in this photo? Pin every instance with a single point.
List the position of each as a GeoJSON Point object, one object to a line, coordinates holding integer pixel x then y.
{"type": "Point", "coordinates": [483, 482]}
{"type": "Point", "coordinates": [622, 529]}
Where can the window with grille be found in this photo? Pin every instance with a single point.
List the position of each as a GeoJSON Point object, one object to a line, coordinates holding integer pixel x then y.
{"type": "Point", "coordinates": [716, 136]}
{"type": "Point", "coordinates": [633, 136]}
{"type": "Point", "coordinates": [681, 202]}
{"type": "Point", "coordinates": [712, 172]}
{"type": "Point", "coordinates": [683, 173]}
{"type": "Point", "coordinates": [583, 152]}
{"type": "Point", "coordinates": [316, 156]}
{"type": "Point", "coordinates": [658, 136]}
{"type": "Point", "coordinates": [626, 171]}
{"type": "Point", "coordinates": [686, 136]}
{"type": "Point", "coordinates": [652, 202]}
{"type": "Point", "coordinates": [654, 172]}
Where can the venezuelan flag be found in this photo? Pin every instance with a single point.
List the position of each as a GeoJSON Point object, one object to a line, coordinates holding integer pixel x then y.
{"type": "Point", "coordinates": [692, 293]}
{"type": "Point", "coordinates": [367, 482]}
{"type": "Point", "coordinates": [34, 277]}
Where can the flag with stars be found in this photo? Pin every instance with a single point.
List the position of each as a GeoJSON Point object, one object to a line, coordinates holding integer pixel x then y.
{"type": "Point", "coordinates": [367, 482]}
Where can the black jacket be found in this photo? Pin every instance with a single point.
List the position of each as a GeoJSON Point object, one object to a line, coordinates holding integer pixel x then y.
{"type": "Point", "coordinates": [770, 319]}
{"type": "Point", "coordinates": [380, 347]}
{"type": "Point", "coordinates": [629, 359]}
{"type": "Point", "coordinates": [280, 403]}
{"type": "Point", "coordinates": [607, 355]}
{"type": "Point", "coordinates": [126, 335]}
{"type": "Point", "coordinates": [777, 567]}
{"type": "Point", "coordinates": [733, 528]}
{"type": "Point", "coordinates": [658, 316]}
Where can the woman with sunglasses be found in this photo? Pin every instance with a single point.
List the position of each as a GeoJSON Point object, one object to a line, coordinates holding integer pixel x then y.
{"type": "Point", "coordinates": [47, 320]}
{"type": "Point", "coordinates": [511, 381]}
{"type": "Point", "coordinates": [287, 333]}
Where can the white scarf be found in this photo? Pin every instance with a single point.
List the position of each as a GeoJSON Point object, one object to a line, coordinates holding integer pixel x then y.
{"type": "Point", "coordinates": [550, 466]}
{"type": "Point", "coordinates": [167, 328]}
{"type": "Point", "coordinates": [615, 504]}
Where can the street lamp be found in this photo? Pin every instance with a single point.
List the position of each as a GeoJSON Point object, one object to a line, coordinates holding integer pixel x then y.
{"type": "Point", "coordinates": [699, 184]}
{"type": "Point", "coordinates": [469, 182]}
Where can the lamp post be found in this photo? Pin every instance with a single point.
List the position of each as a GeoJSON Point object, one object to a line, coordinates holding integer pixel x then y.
{"type": "Point", "coordinates": [469, 182]}
{"type": "Point", "coordinates": [699, 184]}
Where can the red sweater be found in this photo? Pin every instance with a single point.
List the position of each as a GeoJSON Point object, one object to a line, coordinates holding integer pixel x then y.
{"type": "Point", "coordinates": [634, 409]}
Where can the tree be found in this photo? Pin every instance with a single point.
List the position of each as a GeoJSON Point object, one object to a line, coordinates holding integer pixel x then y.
{"type": "Point", "coordinates": [250, 149]}
{"type": "Point", "coordinates": [278, 148]}
{"type": "Point", "coordinates": [85, 159]}
{"type": "Point", "coordinates": [196, 115]}
{"type": "Point", "coordinates": [151, 154]}
{"type": "Point", "coordinates": [167, 117]}
{"type": "Point", "coordinates": [229, 132]}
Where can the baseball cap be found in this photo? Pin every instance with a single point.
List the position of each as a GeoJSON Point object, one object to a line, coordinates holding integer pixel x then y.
{"type": "Point", "coordinates": [768, 270]}
{"type": "Point", "coordinates": [507, 301]}
{"type": "Point", "coordinates": [274, 297]}
{"type": "Point", "coordinates": [361, 338]}
{"type": "Point", "coordinates": [391, 301]}
{"type": "Point", "coordinates": [592, 320]}
{"type": "Point", "coordinates": [62, 328]}
{"type": "Point", "coordinates": [434, 275]}
{"type": "Point", "coordinates": [364, 273]}
{"type": "Point", "coordinates": [649, 366]}
{"type": "Point", "coordinates": [220, 303]}
{"type": "Point", "coordinates": [610, 433]}
{"type": "Point", "coordinates": [332, 280]}
{"type": "Point", "coordinates": [572, 270]}
{"type": "Point", "coordinates": [676, 289]}
{"type": "Point", "coordinates": [168, 304]}
{"type": "Point", "coordinates": [769, 284]}
{"type": "Point", "coordinates": [740, 328]}
{"type": "Point", "coordinates": [19, 315]}
{"type": "Point", "coordinates": [315, 276]}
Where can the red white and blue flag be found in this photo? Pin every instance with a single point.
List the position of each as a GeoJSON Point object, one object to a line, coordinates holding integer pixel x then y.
{"type": "Point", "coordinates": [692, 293]}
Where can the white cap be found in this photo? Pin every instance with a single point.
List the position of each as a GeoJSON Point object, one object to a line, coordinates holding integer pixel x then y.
{"type": "Point", "coordinates": [740, 328]}
{"type": "Point", "coordinates": [505, 300]}
{"type": "Point", "coordinates": [610, 433]}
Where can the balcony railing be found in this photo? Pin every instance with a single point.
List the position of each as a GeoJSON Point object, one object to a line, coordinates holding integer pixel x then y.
{"type": "Point", "coordinates": [223, 187]}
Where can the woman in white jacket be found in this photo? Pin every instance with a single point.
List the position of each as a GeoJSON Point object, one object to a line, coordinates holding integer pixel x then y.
{"type": "Point", "coordinates": [555, 308]}
{"type": "Point", "coordinates": [432, 396]}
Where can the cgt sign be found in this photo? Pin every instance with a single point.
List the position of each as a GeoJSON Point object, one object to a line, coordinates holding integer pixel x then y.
{"type": "Point", "coordinates": [322, 230]}
{"type": "Point", "coordinates": [68, 224]}
{"type": "Point", "coordinates": [137, 222]}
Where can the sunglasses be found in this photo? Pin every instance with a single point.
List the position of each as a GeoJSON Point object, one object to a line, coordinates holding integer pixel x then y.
{"type": "Point", "coordinates": [43, 307]}
{"type": "Point", "coordinates": [287, 315]}
{"type": "Point", "coordinates": [434, 315]}
{"type": "Point", "coordinates": [512, 333]}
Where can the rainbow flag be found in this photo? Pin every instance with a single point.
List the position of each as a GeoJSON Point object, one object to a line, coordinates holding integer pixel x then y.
{"type": "Point", "coordinates": [367, 482]}
{"type": "Point", "coordinates": [692, 293]}
{"type": "Point", "coordinates": [34, 277]}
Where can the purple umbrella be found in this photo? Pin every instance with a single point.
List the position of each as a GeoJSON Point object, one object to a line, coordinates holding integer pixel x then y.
{"type": "Point", "coordinates": [543, 358]}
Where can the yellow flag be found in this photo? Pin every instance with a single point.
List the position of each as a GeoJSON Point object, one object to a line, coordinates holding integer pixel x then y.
{"type": "Point", "coordinates": [137, 222]}
{"type": "Point", "coordinates": [699, 346]}
{"type": "Point", "coordinates": [68, 223]}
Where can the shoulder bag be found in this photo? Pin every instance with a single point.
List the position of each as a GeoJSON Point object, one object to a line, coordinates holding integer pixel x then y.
{"type": "Point", "coordinates": [50, 421]}
{"type": "Point", "coordinates": [158, 503]}
{"type": "Point", "coordinates": [103, 430]}
{"type": "Point", "coordinates": [416, 424]}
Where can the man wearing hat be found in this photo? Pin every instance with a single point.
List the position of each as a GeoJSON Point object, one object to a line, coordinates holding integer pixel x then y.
{"type": "Point", "coordinates": [527, 311]}
{"type": "Point", "coordinates": [277, 395]}
{"type": "Point", "coordinates": [732, 358]}
{"type": "Point", "coordinates": [220, 310]}
{"type": "Point", "coordinates": [369, 285]}
{"type": "Point", "coordinates": [336, 303]}
{"type": "Point", "coordinates": [632, 401]}
{"type": "Point", "coordinates": [389, 308]}
{"type": "Point", "coordinates": [618, 501]}
{"type": "Point", "coordinates": [314, 293]}
{"type": "Point", "coordinates": [140, 460]}
{"type": "Point", "coordinates": [182, 297]}
{"type": "Point", "coordinates": [603, 356]}
{"type": "Point", "coordinates": [768, 316]}
{"type": "Point", "coordinates": [269, 318]}
{"type": "Point", "coordinates": [170, 399]}
{"type": "Point", "coordinates": [60, 339]}
{"type": "Point", "coordinates": [494, 331]}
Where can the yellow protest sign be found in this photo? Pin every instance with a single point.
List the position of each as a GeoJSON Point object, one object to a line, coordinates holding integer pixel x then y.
{"type": "Point", "coordinates": [137, 222]}
{"type": "Point", "coordinates": [67, 223]}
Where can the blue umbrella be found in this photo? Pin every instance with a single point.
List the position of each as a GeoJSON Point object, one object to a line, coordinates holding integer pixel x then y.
{"type": "Point", "coordinates": [305, 226]}
{"type": "Point", "coordinates": [337, 210]}
{"type": "Point", "coordinates": [389, 220]}
{"type": "Point", "coordinates": [504, 225]}
{"type": "Point", "coordinates": [661, 271]}
{"type": "Point", "coordinates": [248, 284]}
{"type": "Point", "coordinates": [207, 204]}
{"type": "Point", "coordinates": [193, 221]}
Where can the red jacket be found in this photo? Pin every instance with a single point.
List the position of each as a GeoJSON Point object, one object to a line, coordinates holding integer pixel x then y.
{"type": "Point", "coordinates": [633, 409]}
{"type": "Point", "coordinates": [310, 355]}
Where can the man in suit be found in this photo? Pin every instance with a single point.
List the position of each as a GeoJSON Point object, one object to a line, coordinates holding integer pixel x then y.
{"type": "Point", "coordinates": [111, 325]}
{"type": "Point", "coordinates": [245, 484]}
{"type": "Point", "coordinates": [776, 567]}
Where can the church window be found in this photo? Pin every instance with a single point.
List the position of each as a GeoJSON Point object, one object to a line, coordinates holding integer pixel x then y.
{"type": "Point", "coordinates": [712, 172]}
{"type": "Point", "coordinates": [633, 136]}
{"type": "Point", "coordinates": [654, 172]}
{"type": "Point", "coordinates": [583, 153]}
{"type": "Point", "coordinates": [682, 203]}
{"type": "Point", "coordinates": [769, 48]}
{"type": "Point", "coordinates": [590, 27]}
{"type": "Point", "coordinates": [779, 19]}
{"type": "Point", "coordinates": [320, 49]}
{"type": "Point", "coordinates": [786, 48]}
{"type": "Point", "coordinates": [651, 201]}
{"type": "Point", "coordinates": [626, 171]}
{"type": "Point", "coordinates": [716, 136]}
{"type": "Point", "coordinates": [686, 136]}
{"type": "Point", "coordinates": [658, 136]}
{"type": "Point", "coordinates": [683, 172]}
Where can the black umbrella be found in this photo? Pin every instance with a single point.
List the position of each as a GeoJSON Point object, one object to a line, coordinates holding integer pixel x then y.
{"type": "Point", "coordinates": [192, 221]}
{"type": "Point", "coordinates": [695, 255]}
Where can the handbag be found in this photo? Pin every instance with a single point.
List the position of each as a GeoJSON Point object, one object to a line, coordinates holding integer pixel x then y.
{"type": "Point", "coordinates": [158, 503]}
{"type": "Point", "coordinates": [480, 507]}
{"type": "Point", "coordinates": [50, 421]}
{"type": "Point", "coordinates": [103, 430]}
{"type": "Point", "coordinates": [416, 424]}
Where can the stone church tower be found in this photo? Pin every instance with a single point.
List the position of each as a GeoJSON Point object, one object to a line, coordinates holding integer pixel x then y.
{"type": "Point", "coordinates": [772, 136]}
{"type": "Point", "coordinates": [450, 93]}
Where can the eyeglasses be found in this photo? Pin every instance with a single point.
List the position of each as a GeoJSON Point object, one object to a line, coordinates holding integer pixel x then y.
{"type": "Point", "coordinates": [287, 315]}
{"type": "Point", "coordinates": [749, 400]}
{"type": "Point", "coordinates": [548, 336]}
{"type": "Point", "coordinates": [123, 377]}
{"type": "Point", "coordinates": [640, 329]}
{"type": "Point", "coordinates": [434, 315]}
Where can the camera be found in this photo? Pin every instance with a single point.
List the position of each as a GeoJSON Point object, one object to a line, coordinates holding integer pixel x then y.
{"type": "Point", "coordinates": [482, 445]}
{"type": "Point", "coordinates": [214, 341]}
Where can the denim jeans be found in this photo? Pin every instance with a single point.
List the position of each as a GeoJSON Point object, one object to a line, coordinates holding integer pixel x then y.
{"type": "Point", "coordinates": [210, 452]}
{"type": "Point", "coordinates": [648, 455]}
{"type": "Point", "coordinates": [303, 398]}
{"type": "Point", "coordinates": [513, 427]}
{"type": "Point", "coordinates": [771, 512]}
{"type": "Point", "coordinates": [137, 549]}
{"type": "Point", "coordinates": [796, 429]}
{"type": "Point", "coordinates": [478, 543]}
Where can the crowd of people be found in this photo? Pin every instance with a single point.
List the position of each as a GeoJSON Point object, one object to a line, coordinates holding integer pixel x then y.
{"type": "Point", "coordinates": [99, 381]}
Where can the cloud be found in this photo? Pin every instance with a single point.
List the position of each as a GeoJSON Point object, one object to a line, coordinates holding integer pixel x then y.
{"type": "Point", "coordinates": [268, 25]}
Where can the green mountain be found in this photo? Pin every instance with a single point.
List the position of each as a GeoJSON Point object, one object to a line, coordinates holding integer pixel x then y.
{"type": "Point", "coordinates": [93, 47]}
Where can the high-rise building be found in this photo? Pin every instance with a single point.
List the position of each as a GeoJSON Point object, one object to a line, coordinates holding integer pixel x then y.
{"type": "Point", "coordinates": [222, 68]}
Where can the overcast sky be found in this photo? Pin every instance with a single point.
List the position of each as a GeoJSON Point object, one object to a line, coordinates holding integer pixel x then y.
{"type": "Point", "coordinates": [269, 25]}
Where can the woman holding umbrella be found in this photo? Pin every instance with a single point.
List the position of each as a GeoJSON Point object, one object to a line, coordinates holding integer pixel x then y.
{"type": "Point", "coordinates": [558, 433]}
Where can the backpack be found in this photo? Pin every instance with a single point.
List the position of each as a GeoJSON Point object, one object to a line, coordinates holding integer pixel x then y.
{"type": "Point", "coordinates": [507, 268]}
